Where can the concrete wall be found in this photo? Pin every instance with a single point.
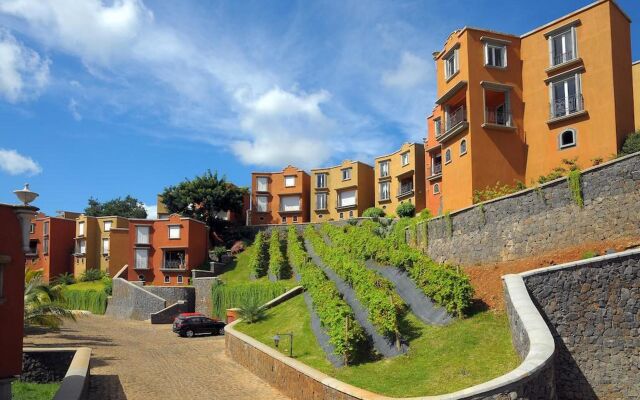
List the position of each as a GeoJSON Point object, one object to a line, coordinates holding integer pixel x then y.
{"type": "Point", "coordinates": [173, 294]}
{"type": "Point", "coordinates": [131, 301]}
{"type": "Point", "coordinates": [593, 310]}
{"type": "Point", "coordinates": [544, 219]}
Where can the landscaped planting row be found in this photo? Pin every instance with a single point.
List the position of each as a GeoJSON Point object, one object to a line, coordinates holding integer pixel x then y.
{"type": "Point", "coordinates": [94, 301]}
{"type": "Point", "coordinates": [260, 259]}
{"type": "Point", "coordinates": [442, 283]}
{"type": "Point", "coordinates": [278, 266]}
{"type": "Point", "coordinates": [225, 296]}
{"type": "Point", "coordinates": [385, 308]}
{"type": "Point", "coordinates": [345, 334]}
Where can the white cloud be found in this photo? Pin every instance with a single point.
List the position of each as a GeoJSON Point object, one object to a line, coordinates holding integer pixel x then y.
{"type": "Point", "coordinates": [15, 163]}
{"type": "Point", "coordinates": [152, 211]}
{"type": "Point", "coordinates": [411, 71]}
{"type": "Point", "coordinates": [23, 73]}
{"type": "Point", "coordinates": [73, 109]}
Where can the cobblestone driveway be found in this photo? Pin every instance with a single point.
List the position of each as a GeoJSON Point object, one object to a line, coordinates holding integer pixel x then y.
{"type": "Point", "coordinates": [135, 360]}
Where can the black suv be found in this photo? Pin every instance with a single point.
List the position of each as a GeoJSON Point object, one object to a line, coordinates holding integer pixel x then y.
{"type": "Point", "coordinates": [190, 326]}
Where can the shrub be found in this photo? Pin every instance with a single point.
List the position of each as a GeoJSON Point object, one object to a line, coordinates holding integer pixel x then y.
{"type": "Point", "coordinates": [575, 187]}
{"type": "Point", "coordinates": [225, 296]}
{"type": "Point", "coordinates": [277, 264]}
{"type": "Point", "coordinates": [251, 310]}
{"type": "Point", "coordinates": [259, 262]}
{"type": "Point", "coordinates": [498, 190]}
{"type": "Point", "coordinates": [65, 279]}
{"type": "Point", "coordinates": [94, 301]}
{"type": "Point", "coordinates": [631, 144]}
{"type": "Point", "coordinates": [406, 209]}
{"type": "Point", "coordinates": [108, 285]}
{"type": "Point", "coordinates": [558, 172]}
{"type": "Point", "coordinates": [425, 215]}
{"type": "Point", "coordinates": [373, 212]}
{"type": "Point", "coordinates": [91, 275]}
{"type": "Point", "coordinates": [218, 251]}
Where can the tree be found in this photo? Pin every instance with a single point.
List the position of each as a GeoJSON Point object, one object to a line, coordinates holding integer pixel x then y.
{"type": "Point", "coordinates": [129, 207]}
{"type": "Point", "coordinates": [204, 197]}
{"type": "Point", "coordinates": [43, 304]}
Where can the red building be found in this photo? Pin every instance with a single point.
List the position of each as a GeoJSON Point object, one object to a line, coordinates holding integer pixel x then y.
{"type": "Point", "coordinates": [51, 243]}
{"type": "Point", "coordinates": [164, 251]}
{"type": "Point", "coordinates": [13, 245]}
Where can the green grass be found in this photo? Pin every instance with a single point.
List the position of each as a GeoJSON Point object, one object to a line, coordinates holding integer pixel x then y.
{"type": "Point", "coordinates": [88, 296]}
{"type": "Point", "coordinates": [93, 285]}
{"type": "Point", "coordinates": [239, 270]}
{"type": "Point", "coordinates": [440, 360]}
{"type": "Point", "coordinates": [33, 391]}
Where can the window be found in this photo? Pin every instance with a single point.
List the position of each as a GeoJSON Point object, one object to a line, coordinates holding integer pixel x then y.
{"type": "Point", "coordinates": [180, 279]}
{"type": "Point", "coordinates": [566, 96]}
{"type": "Point", "coordinates": [321, 201]}
{"type": "Point", "coordinates": [341, 215]}
{"type": "Point", "coordinates": [321, 180]}
{"type": "Point", "coordinates": [451, 64]}
{"type": "Point", "coordinates": [562, 47]}
{"type": "Point", "coordinates": [141, 278]}
{"type": "Point", "coordinates": [290, 181]}
{"type": "Point", "coordinates": [262, 184]}
{"type": "Point", "coordinates": [45, 228]}
{"type": "Point", "coordinates": [437, 125]}
{"type": "Point", "coordinates": [436, 165]}
{"type": "Point", "coordinates": [142, 234]}
{"type": "Point", "coordinates": [290, 203]}
{"type": "Point", "coordinates": [284, 220]}
{"type": "Point", "coordinates": [167, 279]}
{"type": "Point", "coordinates": [384, 169]}
{"type": "Point", "coordinates": [350, 214]}
{"type": "Point", "coordinates": [347, 198]}
{"type": "Point", "coordinates": [261, 205]}
{"type": "Point", "coordinates": [404, 158]}
{"type": "Point", "coordinates": [436, 188]}
{"type": "Point", "coordinates": [32, 228]}
{"type": "Point", "coordinates": [567, 139]}
{"type": "Point", "coordinates": [495, 55]}
{"type": "Point", "coordinates": [81, 246]}
{"type": "Point", "coordinates": [105, 246]}
{"type": "Point", "coordinates": [33, 246]}
{"type": "Point", "coordinates": [174, 231]}
{"type": "Point", "coordinates": [346, 174]}
{"type": "Point", "coordinates": [463, 147]}
{"type": "Point", "coordinates": [174, 259]}
{"type": "Point", "coordinates": [142, 259]}
{"type": "Point", "coordinates": [80, 229]}
{"type": "Point", "coordinates": [45, 245]}
{"type": "Point", "coordinates": [385, 190]}
{"type": "Point", "coordinates": [107, 226]}
{"type": "Point", "coordinates": [295, 218]}
{"type": "Point", "coordinates": [447, 156]}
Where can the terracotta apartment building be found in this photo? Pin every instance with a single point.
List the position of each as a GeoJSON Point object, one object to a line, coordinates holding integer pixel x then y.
{"type": "Point", "coordinates": [101, 243]}
{"type": "Point", "coordinates": [399, 177]}
{"type": "Point", "coordinates": [280, 197]}
{"type": "Point", "coordinates": [51, 244]}
{"type": "Point", "coordinates": [510, 107]}
{"type": "Point", "coordinates": [164, 251]}
{"type": "Point", "coordinates": [341, 192]}
{"type": "Point", "coordinates": [636, 93]}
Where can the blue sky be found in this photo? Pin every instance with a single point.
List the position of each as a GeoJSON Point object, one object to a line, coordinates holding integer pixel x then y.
{"type": "Point", "coordinates": [111, 98]}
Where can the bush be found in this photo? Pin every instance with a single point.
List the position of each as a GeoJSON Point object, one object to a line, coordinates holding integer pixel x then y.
{"type": "Point", "coordinates": [91, 275]}
{"type": "Point", "coordinates": [218, 251]}
{"type": "Point", "coordinates": [373, 212]}
{"type": "Point", "coordinates": [277, 264]}
{"type": "Point", "coordinates": [631, 144]}
{"type": "Point", "coordinates": [94, 301]}
{"type": "Point", "coordinates": [228, 296]}
{"type": "Point", "coordinates": [405, 209]}
{"type": "Point", "coordinates": [251, 311]}
{"type": "Point", "coordinates": [498, 190]}
{"type": "Point", "coordinates": [65, 279]}
{"type": "Point", "coordinates": [108, 285]}
{"type": "Point", "coordinates": [558, 172]}
{"type": "Point", "coordinates": [260, 260]}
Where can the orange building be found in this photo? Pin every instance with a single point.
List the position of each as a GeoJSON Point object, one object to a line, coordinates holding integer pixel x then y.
{"type": "Point", "coordinates": [164, 251]}
{"type": "Point", "coordinates": [280, 197]}
{"type": "Point", "coordinates": [399, 177]}
{"type": "Point", "coordinates": [636, 93]}
{"type": "Point", "coordinates": [51, 243]}
{"type": "Point", "coordinates": [14, 243]}
{"type": "Point", "coordinates": [573, 75]}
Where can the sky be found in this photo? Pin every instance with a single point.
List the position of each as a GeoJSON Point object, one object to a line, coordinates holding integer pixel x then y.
{"type": "Point", "coordinates": [106, 98]}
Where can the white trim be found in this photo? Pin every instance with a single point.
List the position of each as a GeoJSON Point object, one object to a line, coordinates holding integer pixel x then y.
{"type": "Point", "coordinates": [566, 146]}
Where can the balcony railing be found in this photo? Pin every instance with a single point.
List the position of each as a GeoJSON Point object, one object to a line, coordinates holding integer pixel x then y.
{"type": "Point", "coordinates": [562, 58]}
{"type": "Point", "coordinates": [405, 190]}
{"type": "Point", "coordinates": [290, 209]}
{"type": "Point", "coordinates": [455, 118]}
{"type": "Point", "coordinates": [173, 264]}
{"type": "Point", "coordinates": [497, 116]}
{"type": "Point", "coordinates": [567, 106]}
{"type": "Point", "coordinates": [436, 169]}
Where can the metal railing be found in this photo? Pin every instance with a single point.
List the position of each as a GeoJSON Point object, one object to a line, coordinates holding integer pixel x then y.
{"type": "Point", "coordinates": [173, 264]}
{"type": "Point", "coordinates": [562, 58]}
{"type": "Point", "coordinates": [455, 118]}
{"type": "Point", "coordinates": [405, 189]}
{"type": "Point", "coordinates": [567, 106]}
{"type": "Point", "coordinates": [436, 169]}
{"type": "Point", "coordinates": [493, 115]}
{"type": "Point", "coordinates": [290, 209]}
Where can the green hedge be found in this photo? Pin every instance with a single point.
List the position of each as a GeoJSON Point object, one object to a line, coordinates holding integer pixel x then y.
{"type": "Point", "coordinates": [442, 283]}
{"type": "Point", "coordinates": [260, 261]}
{"type": "Point", "coordinates": [345, 333]}
{"type": "Point", "coordinates": [278, 266]}
{"type": "Point", "coordinates": [224, 296]}
{"type": "Point", "coordinates": [90, 300]}
{"type": "Point", "coordinates": [377, 294]}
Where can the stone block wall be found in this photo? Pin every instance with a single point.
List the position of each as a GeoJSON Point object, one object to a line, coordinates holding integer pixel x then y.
{"type": "Point", "coordinates": [131, 301]}
{"type": "Point", "coordinates": [174, 294]}
{"type": "Point", "coordinates": [45, 366]}
{"type": "Point", "coordinates": [202, 287]}
{"type": "Point", "coordinates": [593, 310]}
{"type": "Point", "coordinates": [542, 219]}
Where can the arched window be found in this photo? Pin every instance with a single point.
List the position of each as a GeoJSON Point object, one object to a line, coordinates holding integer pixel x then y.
{"type": "Point", "coordinates": [463, 146]}
{"type": "Point", "coordinates": [141, 278]}
{"type": "Point", "coordinates": [436, 188]}
{"type": "Point", "coordinates": [447, 156]}
{"type": "Point", "coordinates": [567, 138]}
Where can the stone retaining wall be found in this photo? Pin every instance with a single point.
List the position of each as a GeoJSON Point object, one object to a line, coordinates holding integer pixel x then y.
{"type": "Point", "coordinates": [543, 219]}
{"type": "Point", "coordinates": [167, 315]}
{"type": "Point", "coordinates": [202, 288]}
{"type": "Point", "coordinates": [174, 294]}
{"type": "Point", "coordinates": [45, 366]}
{"type": "Point", "coordinates": [593, 310]}
{"type": "Point", "coordinates": [131, 301]}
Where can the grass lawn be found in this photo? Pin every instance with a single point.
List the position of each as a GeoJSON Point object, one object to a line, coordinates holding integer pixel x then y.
{"type": "Point", "coordinates": [440, 360]}
{"type": "Point", "coordinates": [239, 270]}
{"type": "Point", "coordinates": [33, 391]}
{"type": "Point", "coordinates": [92, 285]}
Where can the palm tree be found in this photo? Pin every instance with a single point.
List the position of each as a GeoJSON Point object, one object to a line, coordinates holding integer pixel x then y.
{"type": "Point", "coordinates": [43, 304]}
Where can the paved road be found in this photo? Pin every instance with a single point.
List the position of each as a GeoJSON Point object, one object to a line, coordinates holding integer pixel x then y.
{"type": "Point", "coordinates": [135, 360]}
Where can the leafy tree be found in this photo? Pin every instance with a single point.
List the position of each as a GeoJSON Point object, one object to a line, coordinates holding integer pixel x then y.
{"type": "Point", "coordinates": [204, 197]}
{"type": "Point", "coordinates": [129, 207]}
{"type": "Point", "coordinates": [43, 304]}
{"type": "Point", "coordinates": [405, 210]}
{"type": "Point", "coordinates": [373, 212]}
{"type": "Point", "coordinates": [631, 144]}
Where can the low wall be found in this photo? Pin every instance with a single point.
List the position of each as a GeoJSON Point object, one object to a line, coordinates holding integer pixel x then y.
{"type": "Point", "coordinates": [70, 365]}
{"type": "Point", "coordinates": [174, 294]}
{"type": "Point", "coordinates": [132, 301]}
{"type": "Point", "coordinates": [202, 287]}
{"type": "Point", "coordinates": [593, 310]}
{"type": "Point", "coordinates": [167, 315]}
{"type": "Point", "coordinates": [532, 379]}
{"type": "Point", "coordinates": [542, 219]}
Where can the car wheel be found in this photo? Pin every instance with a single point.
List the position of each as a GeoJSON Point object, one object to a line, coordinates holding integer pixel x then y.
{"type": "Point", "coordinates": [181, 334]}
{"type": "Point", "coordinates": [189, 333]}
{"type": "Point", "coordinates": [221, 332]}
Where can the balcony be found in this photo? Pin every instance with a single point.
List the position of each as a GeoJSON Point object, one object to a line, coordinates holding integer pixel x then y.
{"type": "Point", "coordinates": [436, 171]}
{"type": "Point", "coordinates": [456, 122]}
{"type": "Point", "coordinates": [565, 108]}
{"type": "Point", "coordinates": [497, 117]}
{"type": "Point", "coordinates": [173, 265]}
{"type": "Point", "coordinates": [562, 58]}
{"type": "Point", "coordinates": [405, 190]}
{"type": "Point", "coordinates": [290, 209]}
